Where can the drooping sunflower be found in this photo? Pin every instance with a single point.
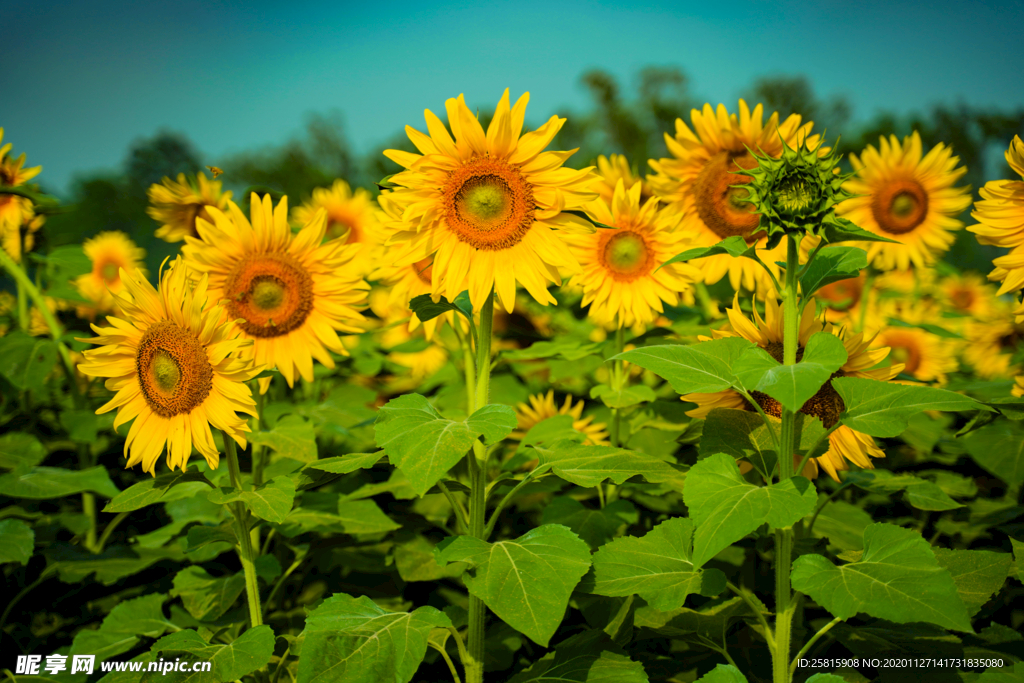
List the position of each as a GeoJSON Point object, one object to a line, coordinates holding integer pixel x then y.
{"type": "Point", "coordinates": [178, 204]}
{"type": "Point", "coordinates": [906, 196]}
{"type": "Point", "coordinates": [175, 368]}
{"type": "Point", "coordinates": [1000, 216]}
{"type": "Point", "coordinates": [350, 214]}
{"type": "Point", "coordinates": [110, 252]}
{"type": "Point", "coordinates": [289, 293]}
{"type": "Point", "coordinates": [543, 406]}
{"type": "Point", "coordinates": [490, 208]}
{"type": "Point", "coordinates": [698, 182]}
{"type": "Point", "coordinates": [619, 267]}
{"type": "Point", "coordinates": [845, 444]}
{"type": "Point", "coordinates": [614, 168]}
{"type": "Point", "coordinates": [16, 212]}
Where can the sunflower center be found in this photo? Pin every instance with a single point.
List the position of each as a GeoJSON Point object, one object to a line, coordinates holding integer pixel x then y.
{"type": "Point", "coordinates": [906, 352]}
{"type": "Point", "coordinates": [424, 270]}
{"type": "Point", "coordinates": [625, 255]}
{"type": "Point", "coordinates": [488, 204]}
{"type": "Point", "coordinates": [723, 208]}
{"type": "Point", "coordinates": [900, 206]}
{"type": "Point", "coordinates": [272, 294]}
{"type": "Point", "coordinates": [339, 225]}
{"type": "Point", "coordinates": [826, 405]}
{"type": "Point", "coordinates": [795, 195]}
{"type": "Point", "coordinates": [173, 368]}
{"type": "Point", "coordinates": [962, 299]}
{"type": "Point", "coordinates": [109, 272]}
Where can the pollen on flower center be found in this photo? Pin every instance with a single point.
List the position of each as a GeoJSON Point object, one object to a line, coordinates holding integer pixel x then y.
{"type": "Point", "coordinates": [485, 198]}
{"type": "Point", "coordinates": [173, 368]}
{"type": "Point", "coordinates": [900, 206]}
{"type": "Point", "coordinates": [272, 294]}
{"type": "Point", "coordinates": [722, 207]}
{"type": "Point", "coordinates": [267, 293]}
{"type": "Point", "coordinates": [625, 255]}
{"type": "Point", "coordinates": [488, 204]}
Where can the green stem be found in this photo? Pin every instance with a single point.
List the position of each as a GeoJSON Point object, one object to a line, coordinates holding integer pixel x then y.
{"type": "Point", "coordinates": [259, 457]}
{"type": "Point", "coordinates": [88, 500]}
{"type": "Point", "coordinates": [619, 380]}
{"type": "Point", "coordinates": [46, 573]}
{"type": "Point", "coordinates": [769, 637]}
{"type": "Point", "coordinates": [109, 529]}
{"type": "Point", "coordinates": [806, 648]}
{"type": "Point", "coordinates": [704, 299]}
{"type": "Point", "coordinates": [23, 320]}
{"type": "Point", "coordinates": [245, 552]}
{"type": "Point", "coordinates": [460, 511]}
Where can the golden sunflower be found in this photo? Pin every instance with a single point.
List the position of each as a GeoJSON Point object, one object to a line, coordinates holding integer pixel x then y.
{"type": "Point", "coordinates": [991, 344]}
{"type": "Point", "coordinates": [490, 209]}
{"type": "Point", "coordinates": [179, 204]}
{"type": "Point", "coordinates": [614, 168]}
{"type": "Point", "coordinates": [845, 444]}
{"type": "Point", "coordinates": [16, 211]}
{"type": "Point", "coordinates": [619, 268]}
{"type": "Point", "coordinates": [542, 407]}
{"type": "Point", "coordinates": [967, 294]}
{"type": "Point", "coordinates": [110, 253]}
{"type": "Point", "coordinates": [925, 356]}
{"type": "Point", "coordinates": [841, 300]}
{"type": "Point", "coordinates": [1000, 216]}
{"type": "Point", "coordinates": [171, 362]}
{"type": "Point", "coordinates": [289, 293]}
{"type": "Point", "coordinates": [698, 182]}
{"type": "Point", "coordinates": [906, 198]}
{"type": "Point", "coordinates": [405, 283]}
{"type": "Point", "coordinates": [1018, 386]}
{"type": "Point", "coordinates": [352, 215]}
{"type": "Point", "coordinates": [421, 363]}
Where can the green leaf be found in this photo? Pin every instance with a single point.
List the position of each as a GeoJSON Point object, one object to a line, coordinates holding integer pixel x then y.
{"type": "Point", "coordinates": [113, 564]}
{"type": "Point", "coordinates": [1018, 560]}
{"type": "Point", "coordinates": [526, 582]}
{"type": "Point", "coordinates": [843, 524]}
{"type": "Point", "coordinates": [1003, 674]}
{"type": "Point", "coordinates": [344, 464]}
{"type": "Point", "coordinates": [826, 678]}
{"type": "Point", "coordinates": [723, 673]}
{"type": "Point", "coordinates": [725, 508]}
{"type": "Point", "coordinates": [158, 490]}
{"type": "Point", "coordinates": [897, 578]}
{"type": "Point", "coordinates": [424, 445]}
{"type": "Point", "coordinates": [352, 640]}
{"type": "Point", "coordinates": [883, 408]}
{"type": "Point", "coordinates": [55, 482]}
{"type": "Point", "coordinates": [978, 574]}
{"type": "Point", "coordinates": [590, 465]}
{"type": "Point", "coordinates": [569, 349]}
{"type": "Point", "coordinates": [705, 367]}
{"type": "Point", "coordinates": [734, 246]}
{"type": "Point", "coordinates": [26, 361]}
{"type": "Point", "coordinates": [364, 517]}
{"type": "Point", "coordinates": [121, 629]}
{"type": "Point", "coordinates": [247, 653]}
{"type": "Point", "coordinates": [842, 230]}
{"type": "Point", "coordinates": [81, 425]}
{"type": "Point", "coordinates": [710, 621]}
{"type": "Point", "coordinates": [17, 541]}
{"type": "Point", "coordinates": [999, 449]}
{"type": "Point", "coordinates": [792, 385]}
{"type": "Point", "coordinates": [743, 434]}
{"type": "Point", "coordinates": [204, 596]}
{"type": "Point", "coordinates": [927, 327]}
{"type": "Point", "coordinates": [415, 561]}
{"type": "Point", "coordinates": [832, 264]}
{"type": "Point", "coordinates": [426, 308]}
{"type": "Point", "coordinates": [19, 450]}
{"type": "Point", "coordinates": [624, 397]}
{"type": "Point", "coordinates": [201, 535]}
{"type": "Point", "coordinates": [657, 566]}
{"type": "Point", "coordinates": [292, 437]}
{"type": "Point", "coordinates": [595, 526]}
{"type": "Point", "coordinates": [271, 501]}
{"type": "Point", "coordinates": [589, 657]}
{"type": "Point", "coordinates": [921, 493]}
{"type": "Point", "coordinates": [551, 430]}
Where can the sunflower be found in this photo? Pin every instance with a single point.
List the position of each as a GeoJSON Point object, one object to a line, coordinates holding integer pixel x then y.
{"type": "Point", "coordinates": [841, 300]}
{"type": "Point", "coordinates": [171, 362]}
{"type": "Point", "coordinates": [1000, 216]}
{"type": "Point", "coordinates": [405, 283]}
{"type": "Point", "coordinates": [967, 294]}
{"type": "Point", "coordinates": [845, 444]}
{"type": "Point", "coordinates": [1018, 386]}
{"type": "Point", "coordinates": [178, 204]}
{"type": "Point", "coordinates": [288, 293]}
{"type": "Point", "coordinates": [614, 168]}
{"type": "Point", "coordinates": [7, 304]}
{"type": "Point", "coordinates": [991, 344]}
{"type": "Point", "coordinates": [926, 357]}
{"type": "Point", "coordinates": [906, 198]}
{"type": "Point", "coordinates": [542, 407]}
{"type": "Point", "coordinates": [110, 253]}
{"type": "Point", "coordinates": [619, 267]}
{"type": "Point", "coordinates": [698, 182]}
{"type": "Point", "coordinates": [16, 211]}
{"type": "Point", "coordinates": [352, 215]}
{"type": "Point", "coordinates": [490, 209]}
{"type": "Point", "coordinates": [400, 341]}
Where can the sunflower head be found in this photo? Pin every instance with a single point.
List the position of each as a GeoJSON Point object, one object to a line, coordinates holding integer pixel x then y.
{"type": "Point", "coordinates": [179, 204]}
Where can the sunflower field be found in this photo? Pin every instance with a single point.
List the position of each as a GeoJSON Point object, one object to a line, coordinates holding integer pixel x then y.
{"type": "Point", "coordinates": [512, 414]}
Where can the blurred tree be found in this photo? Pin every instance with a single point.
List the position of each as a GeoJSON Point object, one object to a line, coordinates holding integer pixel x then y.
{"type": "Point", "coordinates": [795, 95]}
{"type": "Point", "coordinates": [151, 159]}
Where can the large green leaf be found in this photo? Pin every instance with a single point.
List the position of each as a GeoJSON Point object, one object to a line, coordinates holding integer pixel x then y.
{"type": "Point", "coordinates": [55, 482]}
{"type": "Point", "coordinates": [204, 596]}
{"type": "Point", "coordinates": [624, 396]}
{"type": "Point", "coordinates": [352, 640]}
{"type": "Point", "coordinates": [1017, 571]}
{"type": "Point", "coordinates": [351, 517]}
{"type": "Point", "coordinates": [122, 628]}
{"type": "Point", "coordinates": [723, 673]}
{"type": "Point", "coordinates": [734, 246]}
{"type": "Point", "coordinates": [832, 264]}
{"type": "Point", "coordinates": [271, 501]}
{"type": "Point", "coordinates": [17, 541]}
{"type": "Point", "coordinates": [527, 582]}
{"type": "Point", "coordinates": [345, 464]}
{"type": "Point", "coordinates": [424, 445]}
{"type": "Point", "coordinates": [709, 621]}
{"type": "Point", "coordinates": [589, 465]}
{"type": "Point", "coordinates": [292, 437]}
{"type": "Point", "coordinates": [426, 308]}
{"type": "Point", "coordinates": [999, 448]}
{"type": "Point", "coordinates": [725, 508]}
{"type": "Point", "coordinates": [842, 523]}
{"type": "Point", "coordinates": [792, 385]}
{"type": "Point", "coordinates": [703, 367]}
{"type": "Point", "coordinates": [247, 653]}
{"type": "Point", "coordinates": [589, 657]}
{"type": "Point", "coordinates": [26, 361]}
{"type": "Point", "coordinates": [19, 450]}
{"type": "Point", "coordinates": [415, 561]}
{"type": "Point", "coordinates": [1003, 674]}
{"type": "Point", "coordinates": [897, 578]}
{"type": "Point", "coordinates": [978, 574]}
{"type": "Point", "coordinates": [569, 349]}
{"type": "Point", "coordinates": [921, 493]}
{"type": "Point", "coordinates": [112, 565]}
{"type": "Point", "coordinates": [883, 408]}
{"type": "Point", "coordinates": [174, 485]}
{"type": "Point", "coordinates": [657, 566]}
{"type": "Point", "coordinates": [595, 526]}
{"type": "Point", "coordinates": [743, 434]}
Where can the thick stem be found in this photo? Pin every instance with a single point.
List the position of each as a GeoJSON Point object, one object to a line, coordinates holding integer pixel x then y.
{"type": "Point", "coordinates": [259, 456]}
{"type": "Point", "coordinates": [618, 382]}
{"type": "Point", "coordinates": [483, 353]}
{"type": "Point", "coordinates": [245, 551]}
{"type": "Point", "coordinates": [88, 500]}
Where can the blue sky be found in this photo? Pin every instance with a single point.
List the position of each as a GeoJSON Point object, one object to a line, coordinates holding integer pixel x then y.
{"type": "Point", "coordinates": [82, 80]}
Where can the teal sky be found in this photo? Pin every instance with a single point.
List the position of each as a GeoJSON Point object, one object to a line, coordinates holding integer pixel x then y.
{"type": "Point", "coordinates": [81, 80]}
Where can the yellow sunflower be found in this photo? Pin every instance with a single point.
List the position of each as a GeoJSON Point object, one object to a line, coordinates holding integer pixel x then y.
{"type": "Point", "coordinates": [289, 293]}
{"type": "Point", "coordinates": [110, 253]}
{"type": "Point", "coordinates": [991, 344]}
{"type": "Point", "coordinates": [925, 356]}
{"type": "Point", "coordinates": [619, 268]}
{"type": "Point", "coordinates": [697, 182]}
{"type": "Point", "coordinates": [967, 294]}
{"type": "Point", "coordinates": [490, 208]}
{"type": "Point", "coordinates": [1000, 216]}
{"type": "Point", "coordinates": [842, 300]}
{"type": "Point", "coordinates": [542, 407]}
{"type": "Point", "coordinates": [906, 198]}
{"type": "Point", "coordinates": [7, 304]}
{"type": "Point", "coordinates": [1018, 386]}
{"type": "Point", "coordinates": [178, 204]}
{"type": "Point", "coordinates": [614, 168]}
{"type": "Point", "coordinates": [845, 444]}
{"type": "Point", "coordinates": [352, 215]}
{"type": "Point", "coordinates": [173, 366]}
{"type": "Point", "coordinates": [405, 283]}
{"type": "Point", "coordinates": [16, 211]}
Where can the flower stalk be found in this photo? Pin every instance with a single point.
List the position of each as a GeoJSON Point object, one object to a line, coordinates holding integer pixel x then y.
{"type": "Point", "coordinates": [245, 549]}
